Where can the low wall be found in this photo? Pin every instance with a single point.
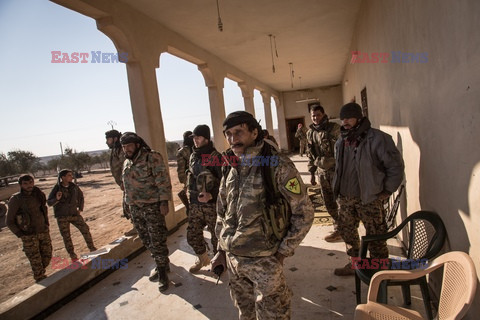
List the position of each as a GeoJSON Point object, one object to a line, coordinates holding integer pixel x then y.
{"type": "Point", "coordinates": [41, 296]}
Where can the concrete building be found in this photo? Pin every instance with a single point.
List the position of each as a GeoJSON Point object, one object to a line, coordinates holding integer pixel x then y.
{"type": "Point", "coordinates": [413, 65]}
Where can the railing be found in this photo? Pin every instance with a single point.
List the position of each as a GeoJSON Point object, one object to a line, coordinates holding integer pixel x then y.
{"type": "Point", "coordinates": [4, 181]}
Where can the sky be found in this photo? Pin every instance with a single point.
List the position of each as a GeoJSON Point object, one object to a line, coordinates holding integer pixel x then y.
{"type": "Point", "coordinates": [45, 104]}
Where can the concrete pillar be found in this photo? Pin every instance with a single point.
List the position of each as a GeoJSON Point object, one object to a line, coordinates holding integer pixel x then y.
{"type": "Point", "coordinates": [147, 116]}
{"type": "Point", "coordinates": [247, 93]}
{"type": "Point", "coordinates": [267, 105]}
{"type": "Point", "coordinates": [214, 82]}
{"type": "Point", "coordinates": [282, 127]}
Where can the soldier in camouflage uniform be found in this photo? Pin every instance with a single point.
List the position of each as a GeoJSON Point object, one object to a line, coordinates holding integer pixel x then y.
{"type": "Point", "coordinates": [147, 192]}
{"type": "Point", "coordinates": [369, 168]}
{"type": "Point", "coordinates": [247, 244]}
{"type": "Point", "coordinates": [67, 201]}
{"type": "Point", "coordinates": [301, 135]}
{"type": "Point", "coordinates": [117, 158]}
{"type": "Point", "coordinates": [27, 218]}
{"type": "Point", "coordinates": [203, 184]}
{"type": "Point", "coordinates": [183, 157]}
{"type": "Point", "coordinates": [321, 138]}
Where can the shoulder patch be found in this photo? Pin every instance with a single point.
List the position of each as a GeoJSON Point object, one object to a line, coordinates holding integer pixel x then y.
{"type": "Point", "coordinates": [293, 185]}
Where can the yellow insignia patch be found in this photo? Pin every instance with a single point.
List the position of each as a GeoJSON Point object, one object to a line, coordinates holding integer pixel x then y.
{"type": "Point", "coordinates": [293, 185]}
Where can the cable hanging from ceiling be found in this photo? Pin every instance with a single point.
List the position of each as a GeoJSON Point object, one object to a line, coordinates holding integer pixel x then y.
{"type": "Point", "coordinates": [220, 23]}
{"type": "Point", "coordinates": [273, 47]}
{"type": "Point", "coordinates": [292, 73]}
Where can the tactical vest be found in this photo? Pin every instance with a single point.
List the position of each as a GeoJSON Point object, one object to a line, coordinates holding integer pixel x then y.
{"type": "Point", "coordinates": [277, 210]}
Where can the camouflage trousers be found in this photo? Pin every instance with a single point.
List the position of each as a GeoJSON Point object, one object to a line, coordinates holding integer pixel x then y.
{"type": "Point", "coordinates": [152, 230]}
{"type": "Point", "coordinates": [38, 249]}
{"type": "Point", "coordinates": [303, 147]}
{"type": "Point", "coordinates": [126, 208]}
{"type": "Point", "coordinates": [258, 287]}
{"type": "Point", "coordinates": [199, 216]}
{"type": "Point", "coordinates": [325, 179]}
{"type": "Point", "coordinates": [81, 225]}
{"type": "Point", "coordinates": [351, 212]}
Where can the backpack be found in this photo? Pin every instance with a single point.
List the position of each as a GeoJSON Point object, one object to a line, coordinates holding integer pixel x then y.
{"type": "Point", "coordinates": [277, 210]}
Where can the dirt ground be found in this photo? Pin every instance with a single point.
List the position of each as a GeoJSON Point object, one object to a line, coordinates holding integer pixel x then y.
{"type": "Point", "coordinates": [102, 213]}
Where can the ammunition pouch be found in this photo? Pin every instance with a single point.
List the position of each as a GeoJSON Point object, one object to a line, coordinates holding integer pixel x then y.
{"type": "Point", "coordinates": [277, 217]}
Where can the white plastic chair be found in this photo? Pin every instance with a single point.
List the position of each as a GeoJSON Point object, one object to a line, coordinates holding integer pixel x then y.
{"type": "Point", "coordinates": [459, 284]}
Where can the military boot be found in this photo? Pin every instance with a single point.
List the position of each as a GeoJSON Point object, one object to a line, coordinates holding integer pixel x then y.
{"type": "Point", "coordinates": [162, 279]}
{"type": "Point", "coordinates": [154, 276]}
{"type": "Point", "coordinates": [201, 261]}
{"type": "Point", "coordinates": [347, 270]}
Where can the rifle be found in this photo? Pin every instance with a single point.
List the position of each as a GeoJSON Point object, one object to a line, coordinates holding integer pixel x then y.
{"type": "Point", "coordinates": [183, 197]}
{"type": "Point", "coordinates": [390, 217]}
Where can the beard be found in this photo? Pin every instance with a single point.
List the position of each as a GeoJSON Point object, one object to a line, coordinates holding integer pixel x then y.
{"type": "Point", "coordinates": [131, 156]}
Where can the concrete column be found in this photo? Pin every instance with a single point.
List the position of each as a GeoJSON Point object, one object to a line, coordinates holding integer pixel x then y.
{"type": "Point", "coordinates": [267, 105]}
{"type": "Point", "coordinates": [247, 93]}
{"type": "Point", "coordinates": [147, 116]}
{"type": "Point", "coordinates": [214, 82]}
{"type": "Point", "coordinates": [282, 127]}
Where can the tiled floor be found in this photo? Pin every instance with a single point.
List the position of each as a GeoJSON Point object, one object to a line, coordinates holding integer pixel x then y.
{"type": "Point", "coordinates": [318, 294]}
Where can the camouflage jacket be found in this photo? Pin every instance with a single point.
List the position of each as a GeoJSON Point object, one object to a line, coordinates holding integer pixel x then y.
{"type": "Point", "coordinates": [321, 146]}
{"type": "Point", "coordinates": [117, 157]}
{"type": "Point", "coordinates": [301, 134]}
{"type": "Point", "coordinates": [72, 200]}
{"type": "Point", "coordinates": [241, 227]}
{"type": "Point", "coordinates": [27, 214]}
{"type": "Point", "coordinates": [146, 179]}
{"type": "Point", "coordinates": [183, 156]}
{"type": "Point", "coordinates": [204, 177]}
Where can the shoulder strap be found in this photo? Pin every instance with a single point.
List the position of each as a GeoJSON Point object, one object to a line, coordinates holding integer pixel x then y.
{"type": "Point", "coordinates": [268, 174]}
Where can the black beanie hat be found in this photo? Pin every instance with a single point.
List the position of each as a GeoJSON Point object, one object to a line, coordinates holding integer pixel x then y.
{"type": "Point", "coordinates": [112, 134]}
{"type": "Point", "coordinates": [202, 130]}
{"type": "Point", "coordinates": [239, 117]}
{"type": "Point", "coordinates": [351, 110]}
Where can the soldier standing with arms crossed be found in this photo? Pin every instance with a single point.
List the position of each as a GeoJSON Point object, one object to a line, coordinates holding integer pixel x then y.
{"type": "Point", "coordinates": [147, 192]}
{"type": "Point", "coordinates": [117, 158]}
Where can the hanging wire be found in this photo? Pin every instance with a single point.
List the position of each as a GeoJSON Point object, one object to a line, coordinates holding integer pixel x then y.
{"type": "Point", "coordinates": [292, 73]}
{"type": "Point", "coordinates": [275, 44]}
{"type": "Point", "coordinates": [220, 24]}
{"type": "Point", "coordinates": [271, 53]}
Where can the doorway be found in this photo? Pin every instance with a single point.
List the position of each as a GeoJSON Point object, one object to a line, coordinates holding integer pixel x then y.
{"type": "Point", "coordinates": [292, 124]}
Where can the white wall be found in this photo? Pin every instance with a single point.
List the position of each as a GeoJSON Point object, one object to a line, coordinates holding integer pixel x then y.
{"type": "Point", "coordinates": [330, 98]}
{"type": "Point", "coordinates": [431, 109]}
